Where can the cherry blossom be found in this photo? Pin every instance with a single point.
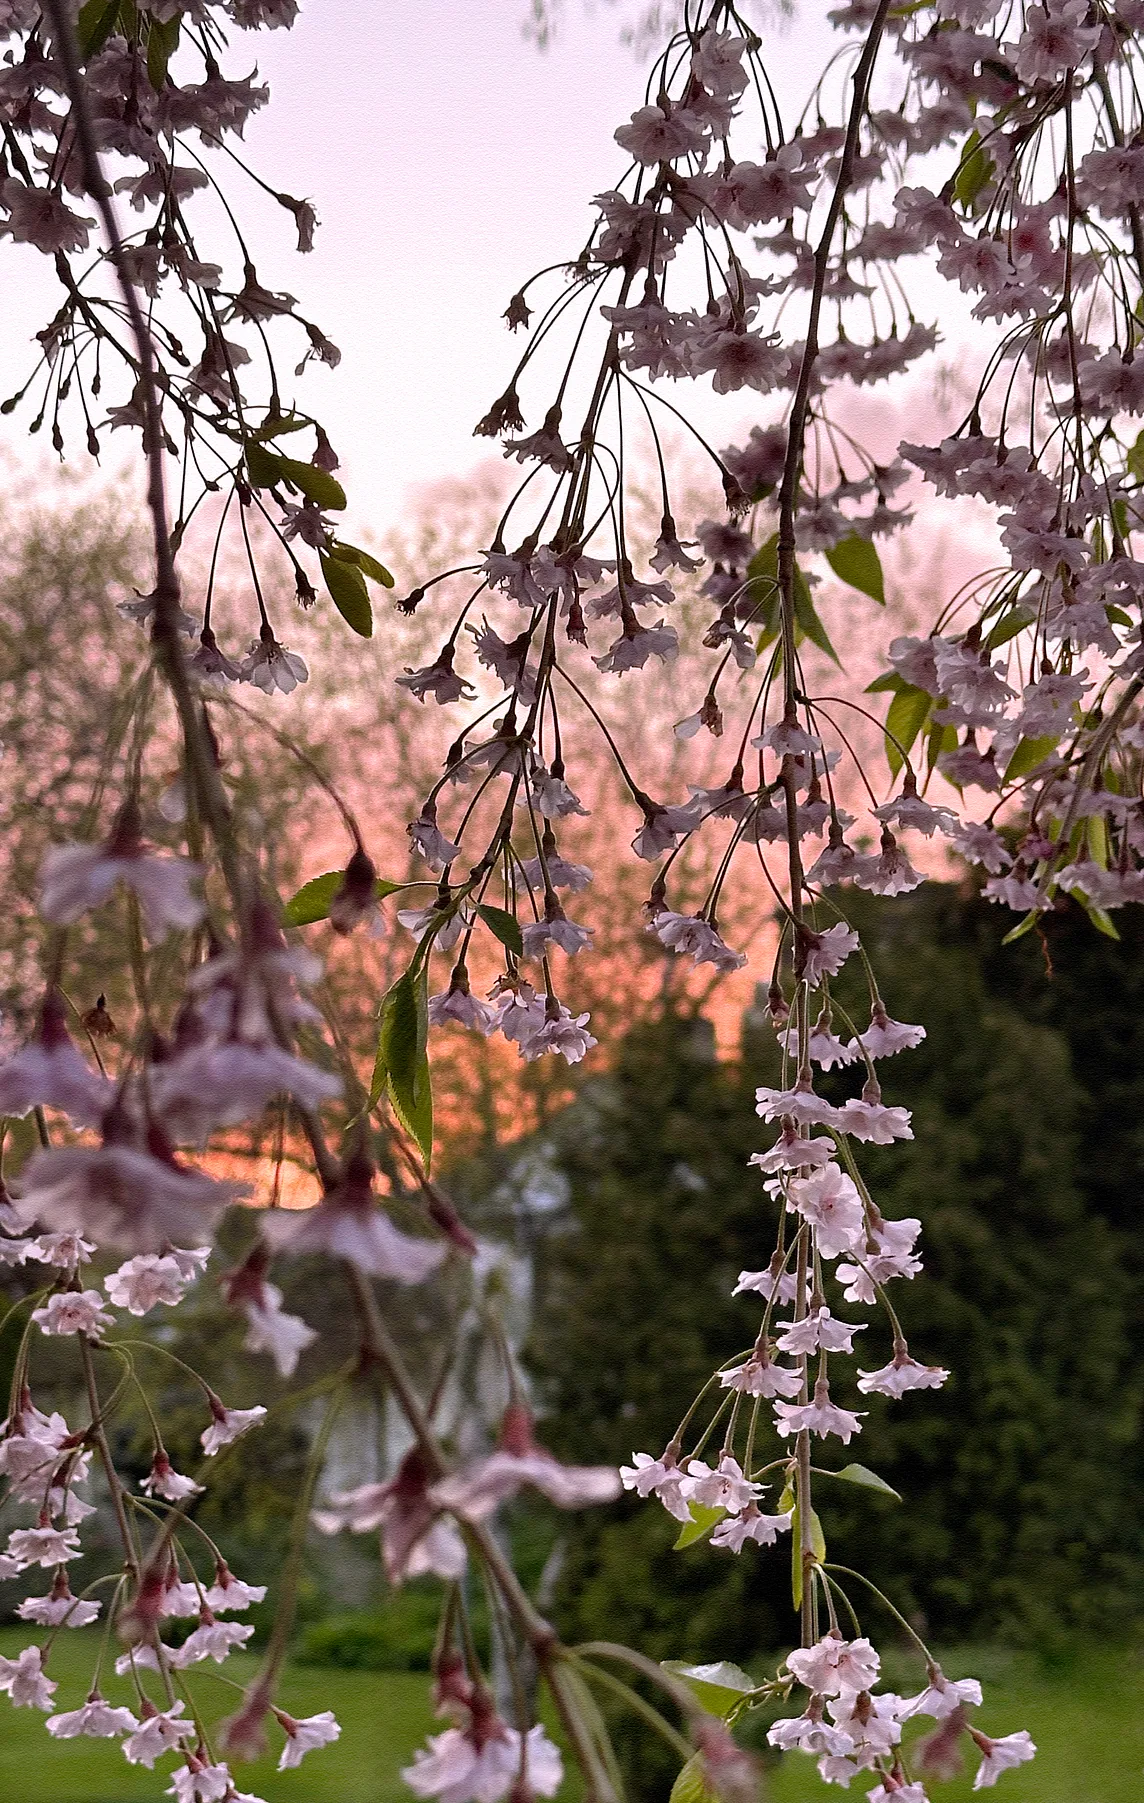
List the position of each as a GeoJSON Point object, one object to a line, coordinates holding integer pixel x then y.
{"type": "Point", "coordinates": [750, 1524]}
{"type": "Point", "coordinates": [818, 1417]}
{"type": "Point", "coordinates": [348, 1223]}
{"type": "Point", "coordinates": [157, 1733]}
{"type": "Point", "coordinates": [163, 1480]}
{"type": "Point", "coordinates": [144, 1281]}
{"type": "Point", "coordinates": [76, 878]}
{"type": "Point", "coordinates": [834, 1667]}
{"type": "Point", "coordinates": [1001, 1755]}
{"type": "Point", "coordinates": [24, 1680]}
{"type": "Point", "coordinates": [228, 1425]}
{"type": "Point", "coordinates": [95, 1718]}
{"type": "Point", "coordinates": [476, 1490]}
{"type": "Point", "coordinates": [304, 1736]}
{"type": "Point", "coordinates": [74, 1311]}
{"type": "Point", "coordinates": [657, 1477]}
{"type": "Point", "coordinates": [901, 1374]}
{"type": "Point", "coordinates": [458, 1770]}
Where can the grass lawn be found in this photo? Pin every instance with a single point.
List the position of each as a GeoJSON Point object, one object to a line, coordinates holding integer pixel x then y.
{"type": "Point", "coordinates": [384, 1715]}
{"type": "Point", "coordinates": [1086, 1715]}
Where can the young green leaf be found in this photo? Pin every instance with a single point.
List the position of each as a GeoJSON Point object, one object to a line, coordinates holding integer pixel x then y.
{"type": "Point", "coordinates": [312, 901]}
{"type": "Point", "coordinates": [1012, 621]}
{"type": "Point", "coordinates": [317, 485]}
{"type": "Point", "coordinates": [377, 572]}
{"type": "Point", "coordinates": [262, 466]}
{"type": "Point", "coordinates": [863, 1477]}
{"type": "Point", "coordinates": [401, 1048]}
{"type": "Point", "coordinates": [701, 1523]}
{"type": "Point", "coordinates": [162, 41]}
{"type": "Point", "coordinates": [973, 171]}
{"type": "Point", "coordinates": [1025, 926]}
{"type": "Point", "coordinates": [717, 1687]}
{"type": "Point", "coordinates": [691, 1785]}
{"type": "Point", "coordinates": [763, 584]}
{"type": "Point", "coordinates": [414, 1107]}
{"type": "Point", "coordinates": [1028, 754]}
{"type": "Point", "coordinates": [1134, 460]}
{"type": "Point", "coordinates": [1100, 918]}
{"type": "Point", "coordinates": [348, 591]}
{"type": "Point", "coordinates": [939, 738]}
{"type": "Point", "coordinates": [855, 561]}
{"type": "Point", "coordinates": [276, 425]}
{"type": "Point", "coordinates": [808, 620]}
{"type": "Point", "coordinates": [907, 715]}
{"type": "Point", "coordinates": [94, 24]}
{"type": "Point", "coordinates": [817, 1547]}
{"type": "Point", "coordinates": [505, 926]}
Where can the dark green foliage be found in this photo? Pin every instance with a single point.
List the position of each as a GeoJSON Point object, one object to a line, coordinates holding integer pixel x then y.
{"type": "Point", "coordinates": [398, 1638]}
{"type": "Point", "coordinates": [1021, 1488]}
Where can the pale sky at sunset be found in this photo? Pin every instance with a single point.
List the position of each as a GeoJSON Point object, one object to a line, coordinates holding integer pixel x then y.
{"type": "Point", "coordinates": [448, 159]}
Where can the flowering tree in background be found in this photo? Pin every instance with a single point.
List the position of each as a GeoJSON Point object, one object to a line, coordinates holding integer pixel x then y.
{"type": "Point", "coordinates": [747, 244]}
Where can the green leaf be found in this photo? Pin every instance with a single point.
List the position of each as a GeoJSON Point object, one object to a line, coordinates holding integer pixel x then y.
{"type": "Point", "coordinates": [691, 1785]}
{"type": "Point", "coordinates": [1029, 753]}
{"type": "Point", "coordinates": [905, 718]}
{"type": "Point", "coordinates": [855, 560]}
{"type": "Point", "coordinates": [807, 618]}
{"type": "Point", "coordinates": [505, 926]}
{"type": "Point", "coordinates": [763, 584]}
{"type": "Point", "coordinates": [817, 1547]}
{"type": "Point", "coordinates": [863, 1477]}
{"type": "Point", "coordinates": [402, 1049]}
{"type": "Point", "coordinates": [701, 1523]}
{"type": "Point", "coordinates": [401, 1041]}
{"type": "Point", "coordinates": [938, 739]}
{"type": "Point", "coordinates": [1135, 459]}
{"type": "Point", "coordinates": [889, 681]}
{"type": "Point", "coordinates": [317, 485]}
{"type": "Point", "coordinates": [1013, 621]}
{"type": "Point", "coordinates": [262, 466]}
{"type": "Point", "coordinates": [94, 24]}
{"type": "Point", "coordinates": [763, 591]}
{"type": "Point", "coordinates": [1026, 926]}
{"type": "Point", "coordinates": [973, 171]}
{"type": "Point", "coordinates": [717, 1687]}
{"type": "Point", "coordinates": [1100, 918]}
{"type": "Point", "coordinates": [162, 40]}
{"type": "Point", "coordinates": [377, 572]}
{"type": "Point", "coordinates": [276, 425]}
{"type": "Point", "coordinates": [414, 1108]}
{"type": "Point", "coordinates": [312, 901]}
{"type": "Point", "coordinates": [348, 591]}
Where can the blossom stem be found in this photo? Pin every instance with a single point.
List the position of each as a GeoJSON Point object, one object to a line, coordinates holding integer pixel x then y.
{"type": "Point", "coordinates": [637, 1704]}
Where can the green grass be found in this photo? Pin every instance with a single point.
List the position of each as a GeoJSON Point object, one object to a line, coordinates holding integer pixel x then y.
{"type": "Point", "coordinates": [1086, 1714]}
{"type": "Point", "coordinates": [384, 1715]}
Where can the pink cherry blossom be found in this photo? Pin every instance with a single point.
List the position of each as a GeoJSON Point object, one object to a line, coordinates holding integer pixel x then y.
{"type": "Point", "coordinates": [1001, 1755]}
{"type": "Point", "coordinates": [74, 1311]}
{"type": "Point", "coordinates": [24, 1680]}
{"type": "Point", "coordinates": [304, 1736]}
{"type": "Point", "coordinates": [818, 1417]}
{"type": "Point", "coordinates": [96, 1718]}
{"type": "Point", "coordinates": [751, 1524]}
{"type": "Point", "coordinates": [228, 1425]}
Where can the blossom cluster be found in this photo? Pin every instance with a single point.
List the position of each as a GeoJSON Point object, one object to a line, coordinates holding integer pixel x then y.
{"type": "Point", "coordinates": [160, 107]}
